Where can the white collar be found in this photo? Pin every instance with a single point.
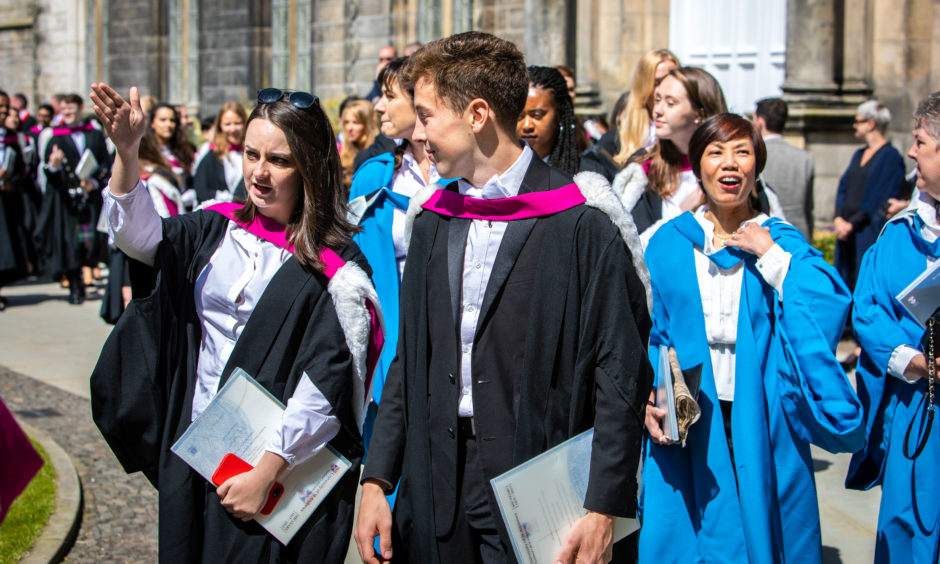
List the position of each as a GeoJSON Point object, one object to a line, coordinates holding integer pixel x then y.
{"type": "Point", "coordinates": [923, 204]}
{"type": "Point", "coordinates": [503, 185]}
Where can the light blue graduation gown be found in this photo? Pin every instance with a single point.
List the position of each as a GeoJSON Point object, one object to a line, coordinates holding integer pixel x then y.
{"type": "Point", "coordinates": [789, 392]}
{"type": "Point", "coordinates": [909, 518]}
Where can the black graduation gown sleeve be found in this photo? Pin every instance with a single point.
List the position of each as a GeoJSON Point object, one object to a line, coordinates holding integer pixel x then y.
{"type": "Point", "coordinates": [613, 354]}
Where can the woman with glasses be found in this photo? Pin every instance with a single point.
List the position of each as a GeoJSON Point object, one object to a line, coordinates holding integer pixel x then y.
{"type": "Point", "coordinates": [875, 174]}
{"type": "Point", "coordinates": [273, 285]}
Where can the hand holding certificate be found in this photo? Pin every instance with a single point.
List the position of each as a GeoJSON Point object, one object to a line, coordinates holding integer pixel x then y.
{"type": "Point", "coordinates": [238, 421]}
{"type": "Point", "coordinates": [542, 499]}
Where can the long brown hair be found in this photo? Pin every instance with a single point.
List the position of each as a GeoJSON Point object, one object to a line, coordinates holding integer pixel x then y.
{"type": "Point", "coordinates": [706, 99]}
{"type": "Point", "coordinates": [179, 144]}
{"type": "Point", "coordinates": [319, 220]}
{"type": "Point", "coordinates": [219, 139]}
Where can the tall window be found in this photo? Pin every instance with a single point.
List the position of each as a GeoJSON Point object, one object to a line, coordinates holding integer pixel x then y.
{"type": "Point", "coordinates": [183, 41]}
{"type": "Point", "coordinates": [741, 42]}
{"type": "Point", "coordinates": [291, 56]}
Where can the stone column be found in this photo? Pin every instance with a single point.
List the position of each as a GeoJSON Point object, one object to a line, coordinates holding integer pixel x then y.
{"type": "Point", "coordinates": [545, 32]}
{"type": "Point", "coordinates": [811, 42]}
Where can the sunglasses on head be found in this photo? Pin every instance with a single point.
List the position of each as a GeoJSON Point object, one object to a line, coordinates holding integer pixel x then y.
{"type": "Point", "coordinates": [300, 100]}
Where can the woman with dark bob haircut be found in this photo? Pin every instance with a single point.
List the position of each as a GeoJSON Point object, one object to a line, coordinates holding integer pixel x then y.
{"type": "Point", "coordinates": [274, 286]}
{"type": "Point", "coordinates": [753, 313]}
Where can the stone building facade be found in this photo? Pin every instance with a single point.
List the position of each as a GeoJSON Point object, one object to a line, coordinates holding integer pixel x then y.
{"type": "Point", "coordinates": [203, 52]}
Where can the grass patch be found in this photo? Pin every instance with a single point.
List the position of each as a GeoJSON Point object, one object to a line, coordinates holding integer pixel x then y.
{"type": "Point", "coordinates": [29, 513]}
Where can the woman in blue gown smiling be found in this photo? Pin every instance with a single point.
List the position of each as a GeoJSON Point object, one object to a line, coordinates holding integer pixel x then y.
{"type": "Point", "coordinates": [745, 300]}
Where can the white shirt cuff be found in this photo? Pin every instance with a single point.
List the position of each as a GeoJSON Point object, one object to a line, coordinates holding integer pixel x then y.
{"type": "Point", "coordinates": [306, 425]}
{"type": "Point", "coordinates": [901, 357]}
{"type": "Point", "coordinates": [133, 222]}
{"type": "Point", "coordinates": [773, 267]}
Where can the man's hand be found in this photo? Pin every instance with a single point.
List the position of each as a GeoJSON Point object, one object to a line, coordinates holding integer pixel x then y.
{"type": "Point", "coordinates": [590, 541]}
{"type": "Point", "coordinates": [375, 520]}
{"type": "Point", "coordinates": [56, 157]}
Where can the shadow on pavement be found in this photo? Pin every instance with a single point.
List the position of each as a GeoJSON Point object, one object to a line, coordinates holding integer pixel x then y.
{"type": "Point", "coordinates": [820, 465]}
{"type": "Point", "coordinates": [830, 555]}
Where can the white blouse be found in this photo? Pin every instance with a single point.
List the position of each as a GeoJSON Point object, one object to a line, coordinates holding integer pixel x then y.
{"type": "Point", "coordinates": [407, 180]}
{"type": "Point", "coordinates": [721, 294]}
{"type": "Point", "coordinates": [226, 292]}
{"type": "Point", "coordinates": [688, 184]}
{"type": "Point", "coordinates": [232, 166]}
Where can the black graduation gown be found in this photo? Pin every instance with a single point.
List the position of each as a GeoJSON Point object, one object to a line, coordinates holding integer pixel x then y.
{"type": "Point", "coordinates": [142, 393]}
{"type": "Point", "coordinates": [56, 225]}
{"type": "Point", "coordinates": [16, 217]}
{"type": "Point", "coordinates": [210, 176]}
{"type": "Point", "coordinates": [560, 348]}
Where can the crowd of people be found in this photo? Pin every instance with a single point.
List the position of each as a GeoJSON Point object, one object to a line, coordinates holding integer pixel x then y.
{"type": "Point", "coordinates": [528, 272]}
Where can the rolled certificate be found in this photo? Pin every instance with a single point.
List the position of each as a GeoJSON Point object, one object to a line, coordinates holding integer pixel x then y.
{"type": "Point", "coordinates": [687, 409]}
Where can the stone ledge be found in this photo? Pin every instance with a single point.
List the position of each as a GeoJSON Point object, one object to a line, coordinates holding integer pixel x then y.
{"type": "Point", "coordinates": [17, 23]}
{"type": "Point", "coordinates": [56, 538]}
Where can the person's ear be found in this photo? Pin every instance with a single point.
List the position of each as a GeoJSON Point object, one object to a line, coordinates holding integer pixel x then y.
{"type": "Point", "coordinates": [477, 114]}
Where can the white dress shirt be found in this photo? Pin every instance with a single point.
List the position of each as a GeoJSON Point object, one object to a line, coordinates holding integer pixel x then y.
{"type": "Point", "coordinates": [407, 180]}
{"type": "Point", "coordinates": [688, 184]}
{"type": "Point", "coordinates": [479, 255]}
{"type": "Point", "coordinates": [232, 167]}
{"type": "Point", "coordinates": [902, 356]}
{"type": "Point", "coordinates": [721, 295]}
{"type": "Point", "coordinates": [226, 292]}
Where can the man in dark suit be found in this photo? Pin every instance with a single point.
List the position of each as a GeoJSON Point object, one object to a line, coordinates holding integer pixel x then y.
{"type": "Point", "coordinates": [520, 328]}
{"type": "Point", "coordinates": [789, 170]}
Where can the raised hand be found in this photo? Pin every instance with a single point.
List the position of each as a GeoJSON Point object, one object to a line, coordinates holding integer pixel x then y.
{"type": "Point", "coordinates": [56, 156]}
{"type": "Point", "coordinates": [124, 122]}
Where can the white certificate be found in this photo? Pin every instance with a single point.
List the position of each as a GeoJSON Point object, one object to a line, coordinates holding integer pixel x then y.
{"type": "Point", "coordinates": [240, 420]}
{"type": "Point", "coordinates": [541, 499]}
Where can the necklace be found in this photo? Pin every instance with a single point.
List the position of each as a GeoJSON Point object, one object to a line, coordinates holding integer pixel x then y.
{"type": "Point", "coordinates": [722, 239]}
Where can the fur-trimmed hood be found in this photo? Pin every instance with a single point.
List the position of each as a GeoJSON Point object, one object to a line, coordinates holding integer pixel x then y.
{"type": "Point", "coordinates": [629, 184]}
{"type": "Point", "coordinates": [350, 288]}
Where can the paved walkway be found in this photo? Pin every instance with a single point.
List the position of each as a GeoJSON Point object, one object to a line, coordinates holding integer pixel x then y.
{"type": "Point", "coordinates": [56, 345]}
